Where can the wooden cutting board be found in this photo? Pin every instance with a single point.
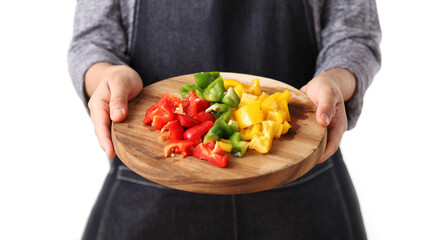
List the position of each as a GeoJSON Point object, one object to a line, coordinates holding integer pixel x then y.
{"type": "Point", "coordinates": [291, 156]}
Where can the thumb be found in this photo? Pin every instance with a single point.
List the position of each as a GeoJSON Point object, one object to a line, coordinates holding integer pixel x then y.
{"type": "Point", "coordinates": [118, 101]}
{"type": "Point", "coordinates": [326, 108]}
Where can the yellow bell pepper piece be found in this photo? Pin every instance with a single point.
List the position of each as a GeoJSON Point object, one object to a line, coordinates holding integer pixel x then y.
{"type": "Point", "coordinates": [248, 115]}
{"type": "Point", "coordinates": [270, 103]}
{"type": "Point", "coordinates": [260, 144]}
{"type": "Point", "coordinates": [277, 116]}
{"type": "Point", "coordinates": [247, 99]}
{"type": "Point", "coordinates": [277, 129]}
{"type": "Point", "coordinates": [239, 89]}
{"type": "Point", "coordinates": [263, 144]}
{"type": "Point", "coordinates": [232, 83]}
{"type": "Point", "coordinates": [254, 88]}
{"type": "Point", "coordinates": [248, 133]}
{"type": "Point", "coordinates": [282, 105]}
{"type": "Point", "coordinates": [286, 127]}
{"type": "Point", "coordinates": [225, 144]}
{"type": "Point", "coordinates": [286, 95]}
{"type": "Point", "coordinates": [262, 97]}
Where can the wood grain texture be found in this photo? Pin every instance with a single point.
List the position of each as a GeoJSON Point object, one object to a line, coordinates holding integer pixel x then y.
{"type": "Point", "coordinates": [291, 156]}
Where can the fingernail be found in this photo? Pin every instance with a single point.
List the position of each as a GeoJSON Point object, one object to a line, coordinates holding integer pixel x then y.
{"type": "Point", "coordinates": [117, 113]}
{"type": "Point", "coordinates": [325, 118]}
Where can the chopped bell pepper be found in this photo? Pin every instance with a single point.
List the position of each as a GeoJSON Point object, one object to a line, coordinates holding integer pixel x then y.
{"type": "Point", "coordinates": [239, 145]}
{"type": "Point", "coordinates": [225, 144]}
{"type": "Point", "coordinates": [254, 88]}
{"type": "Point", "coordinates": [277, 129]}
{"type": "Point", "coordinates": [231, 98]}
{"type": "Point", "coordinates": [183, 147]}
{"type": "Point", "coordinates": [247, 99]}
{"type": "Point", "coordinates": [202, 105]}
{"type": "Point", "coordinates": [184, 91]}
{"type": "Point", "coordinates": [220, 111]}
{"type": "Point", "coordinates": [263, 143]}
{"type": "Point", "coordinates": [212, 153]}
{"type": "Point", "coordinates": [270, 103]}
{"type": "Point", "coordinates": [277, 116]}
{"type": "Point", "coordinates": [262, 97]}
{"type": "Point", "coordinates": [195, 133]}
{"type": "Point", "coordinates": [220, 130]}
{"type": "Point", "coordinates": [175, 131]}
{"type": "Point", "coordinates": [232, 83]}
{"type": "Point", "coordinates": [215, 91]}
{"type": "Point", "coordinates": [205, 78]}
{"type": "Point", "coordinates": [282, 105]}
{"type": "Point", "coordinates": [161, 116]}
{"type": "Point", "coordinates": [199, 93]}
{"type": "Point", "coordinates": [186, 121]}
{"type": "Point", "coordinates": [172, 100]}
{"type": "Point", "coordinates": [286, 95]}
{"type": "Point", "coordinates": [240, 89]}
{"type": "Point", "coordinates": [248, 133]}
{"type": "Point", "coordinates": [205, 116]}
{"type": "Point", "coordinates": [286, 127]}
{"type": "Point", "coordinates": [190, 105]}
{"type": "Point", "coordinates": [248, 115]}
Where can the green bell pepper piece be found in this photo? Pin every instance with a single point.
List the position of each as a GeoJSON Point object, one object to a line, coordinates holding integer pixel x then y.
{"type": "Point", "coordinates": [199, 92]}
{"type": "Point", "coordinates": [239, 145]}
{"type": "Point", "coordinates": [220, 111]}
{"type": "Point", "coordinates": [220, 130]}
{"type": "Point", "coordinates": [215, 74]}
{"type": "Point", "coordinates": [231, 98]}
{"type": "Point", "coordinates": [215, 91]}
{"type": "Point", "coordinates": [184, 91]}
{"type": "Point", "coordinates": [205, 78]}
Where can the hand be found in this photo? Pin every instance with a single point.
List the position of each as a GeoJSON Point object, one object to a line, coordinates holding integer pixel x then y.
{"type": "Point", "coordinates": [329, 91]}
{"type": "Point", "coordinates": [110, 88]}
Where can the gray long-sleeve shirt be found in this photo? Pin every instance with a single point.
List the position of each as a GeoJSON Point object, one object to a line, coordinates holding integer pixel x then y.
{"type": "Point", "coordinates": [347, 34]}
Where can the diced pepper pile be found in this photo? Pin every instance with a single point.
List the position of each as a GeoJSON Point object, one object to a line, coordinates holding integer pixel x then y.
{"type": "Point", "coordinates": [218, 116]}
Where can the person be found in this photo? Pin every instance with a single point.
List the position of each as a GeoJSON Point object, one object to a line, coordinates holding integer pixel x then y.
{"type": "Point", "coordinates": [327, 48]}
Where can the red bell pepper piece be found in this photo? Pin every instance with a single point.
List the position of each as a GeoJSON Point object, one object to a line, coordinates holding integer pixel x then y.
{"type": "Point", "coordinates": [212, 153]}
{"type": "Point", "coordinates": [172, 100]}
{"type": "Point", "coordinates": [192, 96]}
{"type": "Point", "coordinates": [190, 105]}
{"type": "Point", "coordinates": [175, 131]}
{"type": "Point", "coordinates": [161, 116]}
{"type": "Point", "coordinates": [205, 116]}
{"type": "Point", "coordinates": [148, 115]}
{"type": "Point", "coordinates": [187, 121]}
{"type": "Point", "coordinates": [193, 105]}
{"type": "Point", "coordinates": [195, 134]}
{"type": "Point", "coordinates": [202, 105]}
{"type": "Point", "coordinates": [186, 109]}
{"type": "Point", "coordinates": [178, 146]}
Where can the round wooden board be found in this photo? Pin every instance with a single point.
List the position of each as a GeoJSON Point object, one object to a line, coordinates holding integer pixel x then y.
{"type": "Point", "coordinates": [291, 156]}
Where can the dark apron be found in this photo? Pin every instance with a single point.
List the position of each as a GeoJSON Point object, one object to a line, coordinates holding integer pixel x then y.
{"type": "Point", "coordinates": [270, 38]}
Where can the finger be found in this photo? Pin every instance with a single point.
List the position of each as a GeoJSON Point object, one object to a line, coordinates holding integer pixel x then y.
{"type": "Point", "coordinates": [99, 112]}
{"type": "Point", "coordinates": [327, 101]}
{"type": "Point", "coordinates": [119, 96]}
{"type": "Point", "coordinates": [336, 130]}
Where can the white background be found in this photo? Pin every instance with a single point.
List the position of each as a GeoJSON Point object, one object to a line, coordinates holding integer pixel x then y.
{"type": "Point", "coordinates": [52, 167]}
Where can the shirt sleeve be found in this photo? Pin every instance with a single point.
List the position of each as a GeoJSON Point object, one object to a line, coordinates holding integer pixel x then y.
{"type": "Point", "coordinates": [350, 38]}
{"type": "Point", "coordinates": [98, 36]}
